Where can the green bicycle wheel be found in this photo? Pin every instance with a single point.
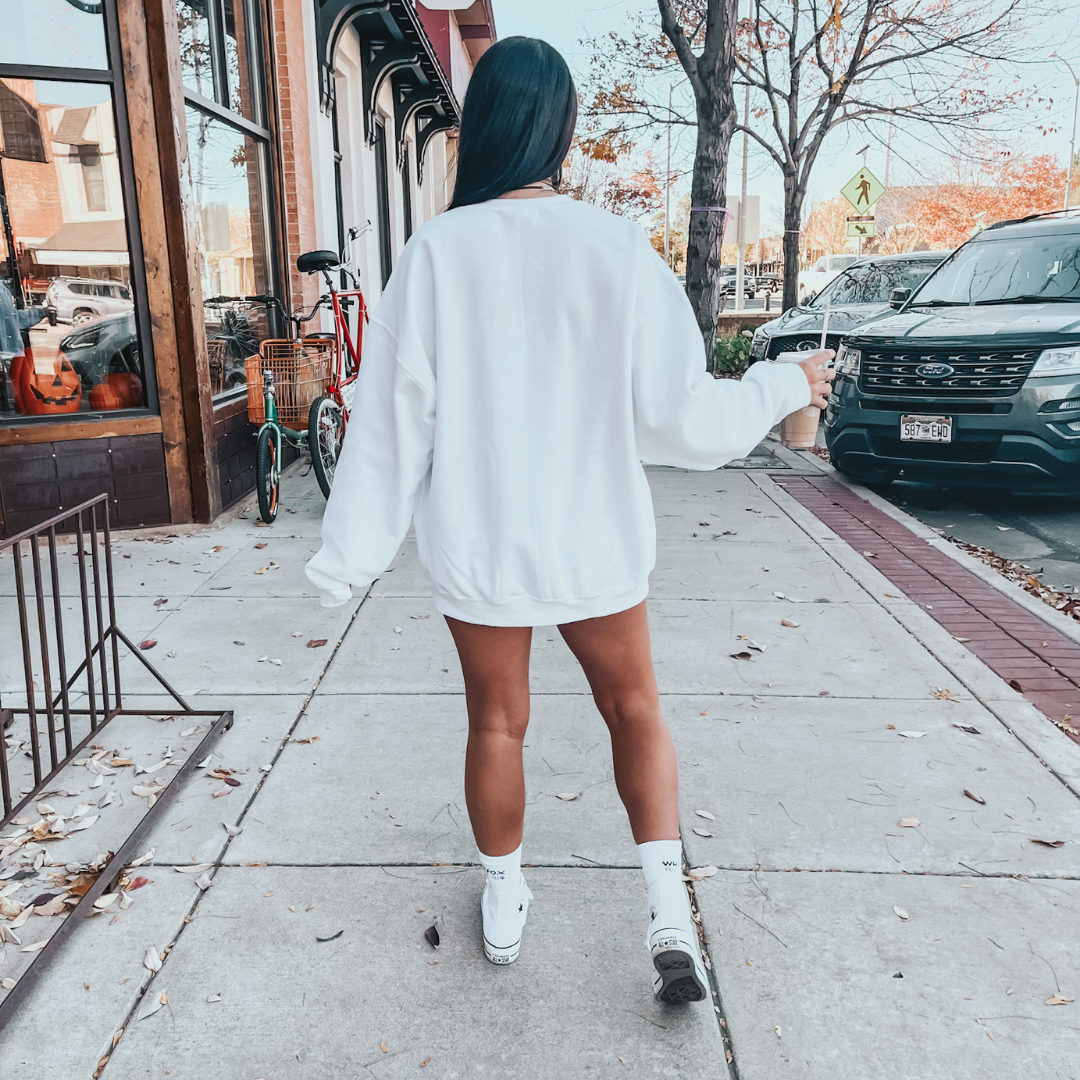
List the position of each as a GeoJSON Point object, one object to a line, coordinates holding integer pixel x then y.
{"type": "Point", "coordinates": [267, 475]}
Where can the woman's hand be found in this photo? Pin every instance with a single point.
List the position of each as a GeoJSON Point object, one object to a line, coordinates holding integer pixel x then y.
{"type": "Point", "coordinates": [818, 377]}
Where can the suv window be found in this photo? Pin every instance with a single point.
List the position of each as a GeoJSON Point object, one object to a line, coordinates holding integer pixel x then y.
{"type": "Point", "coordinates": [1008, 269]}
{"type": "Point", "coordinates": [841, 262]}
{"type": "Point", "coordinates": [123, 292]}
{"type": "Point", "coordinates": [819, 266]}
{"type": "Point", "coordinates": [102, 290]}
{"type": "Point", "coordinates": [873, 284]}
{"type": "Point", "coordinates": [77, 287]}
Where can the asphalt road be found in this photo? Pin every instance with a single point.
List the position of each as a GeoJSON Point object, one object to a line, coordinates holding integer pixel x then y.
{"type": "Point", "coordinates": [1041, 531]}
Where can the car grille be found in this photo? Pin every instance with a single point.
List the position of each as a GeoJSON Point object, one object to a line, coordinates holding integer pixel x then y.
{"type": "Point", "coordinates": [976, 373]}
{"type": "Point", "coordinates": [807, 342]}
{"type": "Point", "coordinates": [970, 450]}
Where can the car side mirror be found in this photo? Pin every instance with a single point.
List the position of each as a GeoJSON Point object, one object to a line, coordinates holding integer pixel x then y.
{"type": "Point", "coordinates": [898, 298]}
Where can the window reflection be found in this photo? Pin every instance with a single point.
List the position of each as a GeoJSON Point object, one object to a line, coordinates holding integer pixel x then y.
{"type": "Point", "coordinates": [196, 51]}
{"type": "Point", "coordinates": [873, 284]}
{"type": "Point", "coordinates": [214, 53]}
{"type": "Point", "coordinates": [53, 33]}
{"type": "Point", "coordinates": [227, 178]}
{"type": "Point", "coordinates": [68, 339]}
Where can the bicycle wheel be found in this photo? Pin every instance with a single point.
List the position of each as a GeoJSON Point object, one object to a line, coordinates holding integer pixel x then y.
{"type": "Point", "coordinates": [326, 428]}
{"type": "Point", "coordinates": [267, 475]}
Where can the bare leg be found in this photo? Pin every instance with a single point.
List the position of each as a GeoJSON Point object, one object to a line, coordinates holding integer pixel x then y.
{"type": "Point", "coordinates": [495, 663]}
{"type": "Point", "coordinates": [615, 654]}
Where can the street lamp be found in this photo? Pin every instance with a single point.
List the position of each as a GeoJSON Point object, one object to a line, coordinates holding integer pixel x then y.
{"type": "Point", "coordinates": [1072, 140]}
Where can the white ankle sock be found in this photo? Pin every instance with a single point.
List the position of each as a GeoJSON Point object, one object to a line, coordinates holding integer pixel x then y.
{"type": "Point", "coordinates": [661, 861]}
{"type": "Point", "coordinates": [503, 872]}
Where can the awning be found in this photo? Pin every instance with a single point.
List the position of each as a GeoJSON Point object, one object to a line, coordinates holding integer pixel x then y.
{"type": "Point", "coordinates": [86, 243]}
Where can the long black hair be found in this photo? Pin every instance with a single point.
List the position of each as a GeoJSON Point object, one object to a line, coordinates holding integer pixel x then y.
{"type": "Point", "coordinates": [517, 120]}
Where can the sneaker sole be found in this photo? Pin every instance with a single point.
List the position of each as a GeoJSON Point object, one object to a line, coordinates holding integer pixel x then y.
{"type": "Point", "coordinates": [679, 980]}
{"type": "Point", "coordinates": [502, 956]}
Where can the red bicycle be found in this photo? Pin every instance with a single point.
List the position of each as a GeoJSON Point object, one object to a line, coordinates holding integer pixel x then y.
{"type": "Point", "coordinates": [329, 413]}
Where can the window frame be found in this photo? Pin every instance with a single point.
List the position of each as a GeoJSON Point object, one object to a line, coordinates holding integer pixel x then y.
{"type": "Point", "coordinates": [111, 76]}
{"type": "Point", "coordinates": [255, 23]}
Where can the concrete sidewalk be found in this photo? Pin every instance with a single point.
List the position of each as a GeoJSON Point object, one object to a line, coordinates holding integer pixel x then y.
{"type": "Point", "coordinates": [844, 945]}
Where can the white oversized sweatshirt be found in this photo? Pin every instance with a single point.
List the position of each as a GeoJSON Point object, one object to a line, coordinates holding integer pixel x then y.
{"type": "Point", "coordinates": [527, 356]}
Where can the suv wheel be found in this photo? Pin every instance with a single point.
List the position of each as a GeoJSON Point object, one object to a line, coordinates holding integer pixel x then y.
{"type": "Point", "coordinates": [83, 315]}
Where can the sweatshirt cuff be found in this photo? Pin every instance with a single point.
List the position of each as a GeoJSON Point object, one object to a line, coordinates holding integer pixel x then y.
{"type": "Point", "coordinates": [787, 381]}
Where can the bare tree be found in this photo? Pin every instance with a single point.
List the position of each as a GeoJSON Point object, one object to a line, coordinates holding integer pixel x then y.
{"type": "Point", "coordinates": [815, 65]}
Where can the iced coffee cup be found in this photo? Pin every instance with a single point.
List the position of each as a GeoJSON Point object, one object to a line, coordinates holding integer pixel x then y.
{"type": "Point", "coordinates": [799, 430]}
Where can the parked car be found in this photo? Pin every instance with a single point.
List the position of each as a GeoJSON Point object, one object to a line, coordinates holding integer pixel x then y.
{"type": "Point", "coordinates": [78, 300]}
{"type": "Point", "coordinates": [976, 380]}
{"type": "Point", "coordinates": [109, 346]}
{"type": "Point", "coordinates": [727, 281]}
{"type": "Point", "coordinates": [768, 282]}
{"type": "Point", "coordinates": [824, 270]}
{"type": "Point", "coordinates": [860, 294]}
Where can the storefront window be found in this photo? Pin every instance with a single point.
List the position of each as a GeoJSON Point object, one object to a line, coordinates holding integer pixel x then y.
{"type": "Point", "coordinates": [227, 173]}
{"type": "Point", "coordinates": [228, 159]}
{"type": "Point", "coordinates": [53, 33]}
{"type": "Point", "coordinates": [69, 341]}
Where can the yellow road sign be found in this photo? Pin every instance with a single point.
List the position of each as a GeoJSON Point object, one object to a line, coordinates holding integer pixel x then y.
{"type": "Point", "coordinates": [862, 228]}
{"type": "Point", "coordinates": [863, 190]}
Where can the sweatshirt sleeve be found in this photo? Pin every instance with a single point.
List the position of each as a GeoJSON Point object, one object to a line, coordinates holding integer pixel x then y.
{"type": "Point", "coordinates": [385, 457]}
{"type": "Point", "coordinates": [682, 415]}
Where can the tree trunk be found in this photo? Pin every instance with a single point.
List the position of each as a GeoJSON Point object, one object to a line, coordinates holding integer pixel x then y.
{"type": "Point", "coordinates": [794, 193]}
{"type": "Point", "coordinates": [715, 126]}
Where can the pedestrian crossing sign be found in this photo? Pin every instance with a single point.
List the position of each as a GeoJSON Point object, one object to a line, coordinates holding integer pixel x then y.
{"type": "Point", "coordinates": [862, 191]}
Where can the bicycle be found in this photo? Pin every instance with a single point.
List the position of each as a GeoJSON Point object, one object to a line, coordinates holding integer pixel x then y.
{"type": "Point", "coordinates": [300, 389]}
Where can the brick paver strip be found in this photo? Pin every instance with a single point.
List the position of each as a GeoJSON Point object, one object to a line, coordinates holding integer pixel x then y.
{"type": "Point", "coordinates": [1017, 645]}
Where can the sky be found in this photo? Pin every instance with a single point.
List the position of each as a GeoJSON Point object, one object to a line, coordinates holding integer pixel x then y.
{"type": "Point", "coordinates": [564, 23]}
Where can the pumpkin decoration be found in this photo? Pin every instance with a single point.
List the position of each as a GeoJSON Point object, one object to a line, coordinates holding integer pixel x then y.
{"type": "Point", "coordinates": [45, 387]}
{"type": "Point", "coordinates": [120, 390]}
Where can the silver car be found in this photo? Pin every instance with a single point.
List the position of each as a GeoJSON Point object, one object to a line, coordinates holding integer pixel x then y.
{"type": "Point", "coordinates": [78, 300]}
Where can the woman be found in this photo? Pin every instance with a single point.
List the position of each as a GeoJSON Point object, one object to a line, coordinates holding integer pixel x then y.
{"type": "Point", "coordinates": [528, 353]}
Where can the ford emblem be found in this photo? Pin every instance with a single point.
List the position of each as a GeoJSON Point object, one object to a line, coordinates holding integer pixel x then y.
{"type": "Point", "coordinates": [934, 371]}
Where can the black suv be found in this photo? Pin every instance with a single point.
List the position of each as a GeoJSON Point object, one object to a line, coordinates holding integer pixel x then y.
{"type": "Point", "coordinates": [976, 379]}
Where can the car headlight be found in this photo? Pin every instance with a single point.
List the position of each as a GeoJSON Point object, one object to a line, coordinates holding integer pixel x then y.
{"type": "Point", "coordinates": [758, 346]}
{"type": "Point", "coordinates": [1054, 362]}
{"type": "Point", "coordinates": [848, 360]}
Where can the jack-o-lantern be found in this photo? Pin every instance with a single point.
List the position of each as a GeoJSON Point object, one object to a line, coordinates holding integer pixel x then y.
{"type": "Point", "coordinates": [120, 390]}
{"type": "Point", "coordinates": [45, 387]}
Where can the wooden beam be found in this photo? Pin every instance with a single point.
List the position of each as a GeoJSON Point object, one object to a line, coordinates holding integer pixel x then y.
{"type": "Point", "coordinates": [28, 434]}
{"type": "Point", "coordinates": [159, 289]}
{"type": "Point", "coordinates": [177, 228]}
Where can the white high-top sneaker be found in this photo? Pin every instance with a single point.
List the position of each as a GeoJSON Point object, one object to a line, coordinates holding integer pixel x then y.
{"type": "Point", "coordinates": [504, 916]}
{"type": "Point", "coordinates": [672, 942]}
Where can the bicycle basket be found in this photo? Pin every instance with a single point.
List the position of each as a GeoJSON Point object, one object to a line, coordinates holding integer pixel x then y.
{"type": "Point", "coordinates": [301, 372]}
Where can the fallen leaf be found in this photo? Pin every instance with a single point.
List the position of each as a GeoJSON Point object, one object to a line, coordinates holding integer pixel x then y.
{"type": "Point", "coordinates": [260, 546]}
{"type": "Point", "coordinates": [901, 913]}
{"type": "Point", "coordinates": [944, 695]}
{"type": "Point", "coordinates": [7, 984]}
{"type": "Point", "coordinates": [911, 734]}
{"type": "Point", "coordinates": [1057, 999]}
{"type": "Point", "coordinates": [149, 643]}
{"type": "Point", "coordinates": [974, 798]}
{"type": "Point", "coordinates": [1002, 528]}
{"type": "Point", "coordinates": [789, 623]}
{"type": "Point", "coordinates": [702, 832]}
{"type": "Point", "coordinates": [909, 823]}
{"type": "Point", "coordinates": [699, 873]}
{"type": "Point", "coordinates": [968, 728]}
{"type": "Point", "coordinates": [741, 656]}
{"type": "Point", "coordinates": [189, 732]}
{"type": "Point", "coordinates": [151, 959]}
{"type": "Point", "coordinates": [153, 1005]}
{"type": "Point", "coordinates": [39, 945]}
{"type": "Point", "coordinates": [705, 814]}
{"type": "Point", "coordinates": [1049, 843]}
{"type": "Point", "coordinates": [425, 1062]}
{"type": "Point", "coordinates": [232, 830]}
{"type": "Point", "coordinates": [213, 998]}
{"type": "Point", "coordinates": [332, 937]}
{"type": "Point", "coordinates": [193, 869]}
{"type": "Point", "coordinates": [382, 1047]}
{"type": "Point", "coordinates": [1016, 686]}
{"type": "Point", "coordinates": [221, 793]}
{"type": "Point", "coordinates": [103, 902]}
{"type": "Point", "coordinates": [231, 781]}
{"type": "Point", "coordinates": [161, 602]}
{"type": "Point", "coordinates": [431, 936]}
{"type": "Point", "coordinates": [298, 633]}
{"type": "Point", "coordinates": [204, 882]}
{"type": "Point", "coordinates": [142, 860]}
{"type": "Point", "coordinates": [316, 643]}
{"type": "Point", "coordinates": [777, 1030]}
{"type": "Point", "coordinates": [568, 796]}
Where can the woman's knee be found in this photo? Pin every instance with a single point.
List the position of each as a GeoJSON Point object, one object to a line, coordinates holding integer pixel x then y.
{"type": "Point", "coordinates": [629, 708]}
{"type": "Point", "coordinates": [509, 723]}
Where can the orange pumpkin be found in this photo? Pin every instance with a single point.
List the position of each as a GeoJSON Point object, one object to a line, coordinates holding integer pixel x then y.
{"type": "Point", "coordinates": [45, 388]}
{"type": "Point", "coordinates": [117, 391]}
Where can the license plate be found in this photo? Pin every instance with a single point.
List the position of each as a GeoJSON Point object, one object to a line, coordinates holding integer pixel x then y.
{"type": "Point", "coordinates": [926, 429]}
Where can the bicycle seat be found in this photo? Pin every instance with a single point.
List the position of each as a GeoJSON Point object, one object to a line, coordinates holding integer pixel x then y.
{"type": "Point", "coordinates": [311, 262]}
